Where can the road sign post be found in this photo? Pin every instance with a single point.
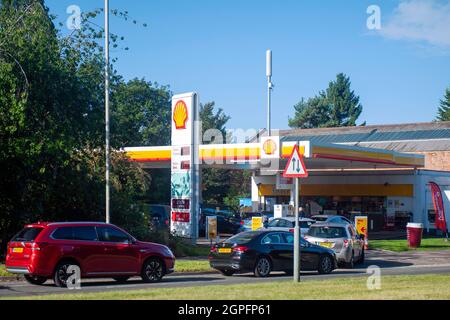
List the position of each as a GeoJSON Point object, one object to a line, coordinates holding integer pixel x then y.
{"type": "Point", "coordinates": [296, 169]}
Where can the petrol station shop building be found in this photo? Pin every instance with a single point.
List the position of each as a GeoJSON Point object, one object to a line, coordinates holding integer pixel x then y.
{"type": "Point", "coordinates": [382, 171]}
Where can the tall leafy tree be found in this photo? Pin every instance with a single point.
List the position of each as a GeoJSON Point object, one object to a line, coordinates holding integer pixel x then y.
{"type": "Point", "coordinates": [444, 107]}
{"type": "Point", "coordinates": [212, 119]}
{"type": "Point", "coordinates": [51, 125]}
{"type": "Point", "coordinates": [141, 117]}
{"type": "Point", "coordinates": [344, 104]}
{"type": "Point", "coordinates": [311, 113]}
{"type": "Point", "coordinates": [141, 114]}
{"type": "Point", "coordinates": [214, 180]}
{"type": "Point", "coordinates": [337, 106]}
{"type": "Point", "coordinates": [220, 186]}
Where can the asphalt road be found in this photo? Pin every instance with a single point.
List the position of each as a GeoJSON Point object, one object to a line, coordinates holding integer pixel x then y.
{"type": "Point", "coordinates": [390, 264]}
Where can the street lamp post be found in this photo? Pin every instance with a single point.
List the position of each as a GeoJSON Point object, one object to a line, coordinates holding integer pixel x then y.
{"type": "Point", "coordinates": [107, 147]}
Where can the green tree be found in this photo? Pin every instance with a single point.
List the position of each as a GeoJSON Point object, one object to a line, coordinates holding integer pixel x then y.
{"type": "Point", "coordinates": [214, 180]}
{"type": "Point", "coordinates": [141, 114]}
{"type": "Point", "coordinates": [444, 107]}
{"type": "Point", "coordinates": [213, 120]}
{"type": "Point", "coordinates": [141, 117]}
{"type": "Point", "coordinates": [311, 113]}
{"type": "Point", "coordinates": [344, 104]}
{"type": "Point", "coordinates": [220, 186]}
{"type": "Point", "coordinates": [337, 106]}
{"type": "Point", "coordinates": [52, 127]}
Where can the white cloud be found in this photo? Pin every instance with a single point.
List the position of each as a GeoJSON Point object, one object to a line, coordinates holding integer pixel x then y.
{"type": "Point", "coordinates": [419, 20]}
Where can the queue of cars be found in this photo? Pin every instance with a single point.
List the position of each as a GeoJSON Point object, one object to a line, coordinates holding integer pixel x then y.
{"type": "Point", "coordinates": [43, 251]}
{"type": "Point", "coordinates": [326, 243]}
{"type": "Point", "coordinates": [263, 251]}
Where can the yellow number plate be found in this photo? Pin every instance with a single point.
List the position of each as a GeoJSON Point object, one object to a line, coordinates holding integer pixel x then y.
{"type": "Point", "coordinates": [18, 250]}
{"type": "Point", "coordinates": [327, 244]}
{"type": "Point", "coordinates": [224, 250]}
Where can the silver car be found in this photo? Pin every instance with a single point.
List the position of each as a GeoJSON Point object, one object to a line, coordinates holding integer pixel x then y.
{"type": "Point", "coordinates": [341, 238]}
{"type": "Point", "coordinates": [331, 218]}
{"type": "Point", "coordinates": [288, 224]}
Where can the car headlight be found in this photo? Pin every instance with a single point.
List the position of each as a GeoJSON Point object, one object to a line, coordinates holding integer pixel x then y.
{"type": "Point", "coordinates": [167, 251]}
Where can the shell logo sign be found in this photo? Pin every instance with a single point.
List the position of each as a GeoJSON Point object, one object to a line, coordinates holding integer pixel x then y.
{"type": "Point", "coordinates": [180, 115]}
{"type": "Point", "coordinates": [269, 147]}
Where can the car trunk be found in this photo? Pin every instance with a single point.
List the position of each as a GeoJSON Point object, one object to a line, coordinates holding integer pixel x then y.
{"type": "Point", "coordinates": [224, 251]}
{"type": "Point", "coordinates": [22, 246]}
{"type": "Point", "coordinates": [335, 244]}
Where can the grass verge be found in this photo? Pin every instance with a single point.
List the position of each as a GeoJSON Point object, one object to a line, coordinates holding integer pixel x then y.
{"type": "Point", "coordinates": [3, 272]}
{"type": "Point", "coordinates": [392, 287]}
{"type": "Point", "coordinates": [402, 245]}
{"type": "Point", "coordinates": [192, 266]}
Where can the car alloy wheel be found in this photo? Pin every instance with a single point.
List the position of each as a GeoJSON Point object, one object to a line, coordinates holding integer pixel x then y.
{"type": "Point", "coordinates": [61, 275]}
{"type": "Point", "coordinates": [153, 270]}
{"type": "Point", "coordinates": [325, 265]}
{"type": "Point", "coordinates": [263, 267]}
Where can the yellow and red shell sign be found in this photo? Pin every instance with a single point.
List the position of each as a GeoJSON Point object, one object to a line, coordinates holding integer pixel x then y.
{"type": "Point", "coordinates": [269, 147]}
{"type": "Point", "coordinates": [180, 115]}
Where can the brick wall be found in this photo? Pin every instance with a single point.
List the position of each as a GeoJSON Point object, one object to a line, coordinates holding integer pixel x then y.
{"type": "Point", "coordinates": [437, 160]}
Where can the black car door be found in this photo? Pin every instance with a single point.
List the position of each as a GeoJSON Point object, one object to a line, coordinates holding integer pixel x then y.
{"type": "Point", "coordinates": [308, 256]}
{"type": "Point", "coordinates": [278, 250]}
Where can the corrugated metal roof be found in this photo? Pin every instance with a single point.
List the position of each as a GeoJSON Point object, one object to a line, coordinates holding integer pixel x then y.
{"type": "Point", "coordinates": [433, 136]}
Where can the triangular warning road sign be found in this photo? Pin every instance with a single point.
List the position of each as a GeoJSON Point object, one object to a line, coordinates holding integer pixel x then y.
{"type": "Point", "coordinates": [295, 167]}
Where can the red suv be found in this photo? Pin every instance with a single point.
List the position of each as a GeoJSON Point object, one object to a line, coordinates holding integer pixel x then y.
{"type": "Point", "coordinates": [46, 250]}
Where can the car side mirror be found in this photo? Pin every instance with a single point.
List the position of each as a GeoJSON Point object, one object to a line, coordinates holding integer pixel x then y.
{"type": "Point", "coordinates": [131, 241]}
{"type": "Point", "coordinates": [265, 224]}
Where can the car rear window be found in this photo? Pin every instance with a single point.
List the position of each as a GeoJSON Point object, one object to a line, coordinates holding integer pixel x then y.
{"type": "Point", "coordinates": [327, 232]}
{"type": "Point", "coordinates": [27, 234]}
{"type": "Point", "coordinates": [242, 238]}
{"type": "Point", "coordinates": [320, 218]}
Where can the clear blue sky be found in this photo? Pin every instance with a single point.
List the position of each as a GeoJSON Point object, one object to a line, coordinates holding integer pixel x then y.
{"type": "Point", "coordinates": [217, 48]}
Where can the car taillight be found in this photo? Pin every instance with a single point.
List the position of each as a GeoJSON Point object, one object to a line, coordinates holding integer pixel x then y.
{"type": "Point", "coordinates": [242, 222]}
{"type": "Point", "coordinates": [166, 222]}
{"type": "Point", "coordinates": [240, 249]}
{"type": "Point", "coordinates": [291, 230]}
{"type": "Point", "coordinates": [37, 246]}
{"type": "Point", "coordinates": [346, 242]}
{"type": "Point", "coordinates": [213, 249]}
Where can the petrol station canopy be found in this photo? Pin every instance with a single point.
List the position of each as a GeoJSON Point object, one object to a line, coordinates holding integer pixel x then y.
{"type": "Point", "coordinates": [318, 156]}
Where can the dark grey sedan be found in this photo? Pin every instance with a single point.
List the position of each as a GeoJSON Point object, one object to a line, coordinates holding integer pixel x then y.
{"type": "Point", "coordinates": [262, 252]}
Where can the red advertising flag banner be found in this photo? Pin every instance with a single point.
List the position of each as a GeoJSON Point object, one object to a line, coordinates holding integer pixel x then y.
{"type": "Point", "coordinates": [438, 204]}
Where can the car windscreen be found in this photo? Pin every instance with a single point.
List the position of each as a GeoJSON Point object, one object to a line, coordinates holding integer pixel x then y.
{"type": "Point", "coordinates": [327, 232]}
{"type": "Point", "coordinates": [242, 238]}
{"type": "Point", "coordinates": [27, 234]}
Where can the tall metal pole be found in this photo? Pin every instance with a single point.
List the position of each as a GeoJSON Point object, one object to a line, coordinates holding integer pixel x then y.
{"type": "Point", "coordinates": [296, 236]}
{"type": "Point", "coordinates": [269, 87]}
{"type": "Point", "coordinates": [107, 147]}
